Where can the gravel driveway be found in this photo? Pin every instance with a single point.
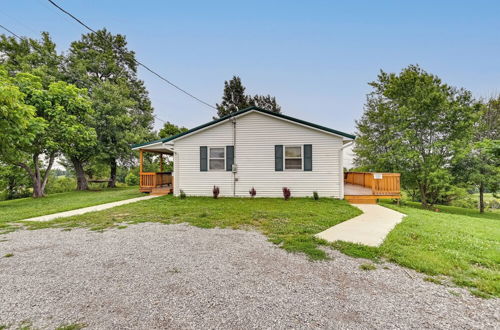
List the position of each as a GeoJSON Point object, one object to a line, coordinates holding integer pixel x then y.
{"type": "Point", "coordinates": [178, 276]}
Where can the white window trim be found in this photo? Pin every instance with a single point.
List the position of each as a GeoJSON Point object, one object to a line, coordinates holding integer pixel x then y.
{"type": "Point", "coordinates": [301, 158]}
{"type": "Point", "coordinates": [209, 158]}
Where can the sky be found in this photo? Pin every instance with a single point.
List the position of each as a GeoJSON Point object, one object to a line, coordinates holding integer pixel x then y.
{"type": "Point", "coordinates": [315, 57]}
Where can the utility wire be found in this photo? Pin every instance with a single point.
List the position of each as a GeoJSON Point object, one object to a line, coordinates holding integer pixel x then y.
{"type": "Point", "coordinates": [15, 35]}
{"type": "Point", "coordinates": [136, 61]}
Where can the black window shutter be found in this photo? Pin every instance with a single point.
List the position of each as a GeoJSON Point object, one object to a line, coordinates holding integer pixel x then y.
{"type": "Point", "coordinates": [229, 158]}
{"type": "Point", "coordinates": [203, 159]}
{"type": "Point", "coordinates": [308, 164]}
{"type": "Point", "coordinates": [278, 158]}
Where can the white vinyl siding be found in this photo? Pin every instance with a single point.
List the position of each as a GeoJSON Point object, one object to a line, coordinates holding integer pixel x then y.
{"type": "Point", "coordinates": [256, 137]}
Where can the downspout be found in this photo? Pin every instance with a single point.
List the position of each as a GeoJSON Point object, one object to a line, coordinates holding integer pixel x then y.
{"type": "Point", "coordinates": [234, 167]}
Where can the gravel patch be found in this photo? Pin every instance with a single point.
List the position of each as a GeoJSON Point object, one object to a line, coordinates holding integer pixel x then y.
{"type": "Point", "coordinates": [152, 276]}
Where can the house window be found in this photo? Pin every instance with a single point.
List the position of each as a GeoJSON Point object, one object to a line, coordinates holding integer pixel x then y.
{"type": "Point", "coordinates": [217, 159]}
{"type": "Point", "coordinates": [293, 157]}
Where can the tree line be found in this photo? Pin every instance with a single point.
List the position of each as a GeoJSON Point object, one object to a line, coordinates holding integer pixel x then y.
{"type": "Point", "coordinates": [83, 108]}
{"type": "Point", "coordinates": [437, 136]}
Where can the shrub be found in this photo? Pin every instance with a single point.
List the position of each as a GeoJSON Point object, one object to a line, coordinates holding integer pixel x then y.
{"type": "Point", "coordinates": [132, 179]}
{"type": "Point", "coordinates": [252, 192]}
{"type": "Point", "coordinates": [286, 193]}
{"type": "Point", "coordinates": [60, 184]}
{"type": "Point", "coordinates": [216, 192]}
{"type": "Point", "coordinates": [315, 195]}
{"type": "Point", "coordinates": [182, 194]}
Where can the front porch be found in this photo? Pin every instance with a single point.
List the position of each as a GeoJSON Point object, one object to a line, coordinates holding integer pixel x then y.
{"type": "Point", "coordinates": [155, 182]}
{"type": "Point", "coordinates": [367, 187]}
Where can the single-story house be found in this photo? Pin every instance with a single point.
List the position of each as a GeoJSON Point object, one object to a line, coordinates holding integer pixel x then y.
{"type": "Point", "coordinates": [251, 148]}
{"type": "Point", "coordinates": [255, 148]}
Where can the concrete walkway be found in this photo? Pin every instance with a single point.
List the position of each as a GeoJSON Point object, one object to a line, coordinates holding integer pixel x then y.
{"type": "Point", "coordinates": [369, 228]}
{"type": "Point", "coordinates": [94, 208]}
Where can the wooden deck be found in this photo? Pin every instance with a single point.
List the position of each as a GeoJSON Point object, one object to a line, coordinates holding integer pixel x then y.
{"type": "Point", "coordinates": [155, 183]}
{"type": "Point", "coordinates": [367, 187]}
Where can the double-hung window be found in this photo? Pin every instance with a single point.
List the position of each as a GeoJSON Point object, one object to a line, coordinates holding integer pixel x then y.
{"type": "Point", "coordinates": [293, 157]}
{"type": "Point", "coordinates": [216, 159]}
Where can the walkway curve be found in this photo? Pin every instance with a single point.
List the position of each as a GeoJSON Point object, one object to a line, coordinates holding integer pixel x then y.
{"type": "Point", "coordinates": [369, 228]}
{"type": "Point", "coordinates": [94, 208]}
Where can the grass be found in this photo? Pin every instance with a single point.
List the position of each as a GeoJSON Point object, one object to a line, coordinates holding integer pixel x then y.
{"type": "Point", "coordinates": [461, 244]}
{"type": "Point", "coordinates": [368, 266]}
{"type": "Point", "coordinates": [291, 224]}
{"type": "Point", "coordinates": [23, 208]}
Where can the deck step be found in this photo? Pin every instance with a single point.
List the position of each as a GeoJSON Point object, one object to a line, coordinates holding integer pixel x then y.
{"type": "Point", "coordinates": [361, 199]}
{"type": "Point", "coordinates": [161, 191]}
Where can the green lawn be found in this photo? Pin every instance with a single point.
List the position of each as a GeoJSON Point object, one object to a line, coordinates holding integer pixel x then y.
{"type": "Point", "coordinates": [461, 244]}
{"type": "Point", "coordinates": [291, 224]}
{"type": "Point", "coordinates": [23, 208]}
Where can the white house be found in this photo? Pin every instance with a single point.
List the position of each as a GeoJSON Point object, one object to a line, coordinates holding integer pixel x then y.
{"type": "Point", "coordinates": [251, 148]}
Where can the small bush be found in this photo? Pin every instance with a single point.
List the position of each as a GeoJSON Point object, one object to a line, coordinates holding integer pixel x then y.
{"type": "Point", "coordinates": [182, 194]}
{"type": "Point", "coordinates": [286, 193]}
{"type": "Point", "coordinates": [315, 195]}
{"type": "Point", "coordinates": [252, 192]}
{"type": "Point", "coordinates": [132, 179]}
{"type": "Point", "coordinates": [215, 192]}
{"type": "Point", "coordinates": [60, 184]}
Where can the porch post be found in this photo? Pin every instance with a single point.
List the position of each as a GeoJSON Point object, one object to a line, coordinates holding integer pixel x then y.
{"type": "Point", "coordinates": [141, 158]}
{"type": "Point", "coordinates": [161, 162]}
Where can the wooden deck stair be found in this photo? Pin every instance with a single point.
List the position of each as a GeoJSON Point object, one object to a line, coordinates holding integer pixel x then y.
{"type": "Point", "coordinates": [160, 191]}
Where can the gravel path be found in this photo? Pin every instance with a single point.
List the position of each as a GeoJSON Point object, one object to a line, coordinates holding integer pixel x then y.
{"type": "Point", "coordinates": [177, 276]}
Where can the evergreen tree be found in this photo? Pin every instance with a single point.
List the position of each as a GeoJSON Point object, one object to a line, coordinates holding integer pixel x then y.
{"type": "Point", "coordinates": [234, 99]}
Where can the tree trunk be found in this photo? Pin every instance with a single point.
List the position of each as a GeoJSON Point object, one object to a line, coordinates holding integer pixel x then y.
{"type": "Point", "coordinates": [81, 180]}
{"type": "Point", "coordinates": [481, 197]}
{"type": "Point", "coordinates": [112, 176]}
{"type": "Point", "coordinates": [423, 196]}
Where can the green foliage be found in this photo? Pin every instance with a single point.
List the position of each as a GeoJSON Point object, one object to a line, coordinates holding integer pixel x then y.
{"type": "Point", "coordinates": [132, 179]}
{"type": "Point", "coordinates": [182, 194]}
{"type": "Point", "coordinates": [170, 129]}
{"type": "Point", "coordinates": [234, 99]}
{"type": "Point", "coordinates": [102, 63]}
{"type": "Point", "coordinates": [315, 195]}
{"type": "Point", "coordinates": [416, 125]}
{"type": "Point", "coordinates": [14, 183]}
{"type": "Point", "coordinates": [60, 184]}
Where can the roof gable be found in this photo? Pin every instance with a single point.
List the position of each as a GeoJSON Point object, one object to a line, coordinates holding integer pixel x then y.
{"type": "Point", "coordinates": [243, 111]}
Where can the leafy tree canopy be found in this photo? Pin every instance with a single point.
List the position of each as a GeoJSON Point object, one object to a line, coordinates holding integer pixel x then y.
{"type": "Point", "coordinates": [416, 125]}
{"type": "Point", "coordinates": [170, 129]}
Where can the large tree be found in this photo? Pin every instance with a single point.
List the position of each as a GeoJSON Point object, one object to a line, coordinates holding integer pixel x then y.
{"type": "Point", "coordinates": [416, 125]}
{"type": "Point", "coordinates": [102, 63]}
{"type": "Point", "coordinates": [480, 163]}
{"type": "Point", "coordinates": [234, 99]}
{"type": "Point", "coordinates": [50, 124]}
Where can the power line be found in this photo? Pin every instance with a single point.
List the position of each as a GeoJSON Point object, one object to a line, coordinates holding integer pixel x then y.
{"type": "Point", "coordinates": [15, 35]}
{"type": "Point", "coordinates": [136, 61]}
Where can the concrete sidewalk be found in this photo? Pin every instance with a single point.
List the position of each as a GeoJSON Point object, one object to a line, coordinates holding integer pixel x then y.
{"type": "Point", "coordinates": [94, 208]}
{"type": "Point", "coordinates": [369, 228]}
